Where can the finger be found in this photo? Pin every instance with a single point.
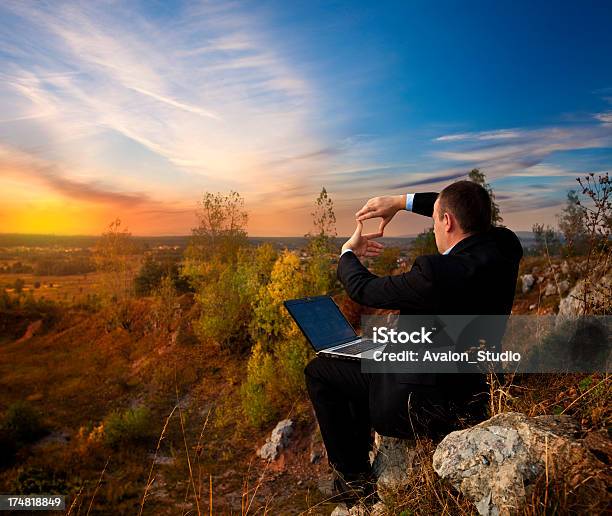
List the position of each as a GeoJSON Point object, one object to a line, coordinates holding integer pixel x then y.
{"type": "Point", "coordinates": [357, 232]}
{"type": "Point", "coordinates": [369, 236]}
{"type": "Point", "coordinates": [383, 224]}
{"type": "Point", "coordinates": [372, 253]}
{"type": "Point", "coordinates": [370, 205]}
{"type": "Point", "coordinates": [375, 244]}
{"type": "Point", "coordinates": [372, 214]}
{"type": "Point", "coordinates": [365, 209]}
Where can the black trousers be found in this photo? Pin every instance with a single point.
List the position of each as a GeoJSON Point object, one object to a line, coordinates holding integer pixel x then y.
{"type": "Point", "coordinates": [349, 403]}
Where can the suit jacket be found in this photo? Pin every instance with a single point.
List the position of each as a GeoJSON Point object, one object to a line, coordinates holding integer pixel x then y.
{"type": "Point", "coordinates": [478, 276]}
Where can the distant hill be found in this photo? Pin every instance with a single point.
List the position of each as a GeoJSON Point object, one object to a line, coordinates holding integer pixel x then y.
{"type": "Point", "coordinates": [293, 243]}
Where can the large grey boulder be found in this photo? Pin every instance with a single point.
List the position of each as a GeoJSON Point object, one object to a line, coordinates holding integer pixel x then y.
{"type": "Point", "coordinates": [277, 440]}
{"type": "Point", "coordinates": [495, 464]}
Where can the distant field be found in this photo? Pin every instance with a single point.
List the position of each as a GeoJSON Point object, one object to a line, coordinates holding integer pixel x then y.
{"type": "Point", "coordinates": [70, 289]}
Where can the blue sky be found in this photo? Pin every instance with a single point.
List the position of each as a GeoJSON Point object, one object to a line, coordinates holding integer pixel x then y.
{"type": "Point", "coordinates": [134, 109]}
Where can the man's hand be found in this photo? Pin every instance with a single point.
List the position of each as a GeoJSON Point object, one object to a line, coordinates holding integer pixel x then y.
{"type": "Point", "coordinates": [384, 207]}
{"type": "Point", "coordinates": [362, 245]}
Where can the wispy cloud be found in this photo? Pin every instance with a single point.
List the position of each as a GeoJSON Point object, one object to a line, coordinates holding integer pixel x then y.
{"type": "Point", "coordinates": [432, 179]}
{"type": "Point", "coordinates": [30, 170]}
{"type": "Point", "coordinates": [500, 134]}
{"type": "Point", "coordinates": [605, 117]}
{"type": "Point", "coordinates": [222, 109]}
{"type": "Point", "coordinates": [527, 147]}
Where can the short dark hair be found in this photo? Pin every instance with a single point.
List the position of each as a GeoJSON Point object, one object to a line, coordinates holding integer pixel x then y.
{"type": "Point", "coordinates": [470, 203]}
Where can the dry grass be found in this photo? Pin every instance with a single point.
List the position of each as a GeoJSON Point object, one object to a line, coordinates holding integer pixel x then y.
{"type": "Point", "coordinates": [69, 289]}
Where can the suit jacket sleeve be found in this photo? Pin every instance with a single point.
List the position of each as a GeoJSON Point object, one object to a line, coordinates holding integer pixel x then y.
{"type": "Point", "coordinates": [423, 203]}
{"type": "Point", "coordinates": [411, 291]}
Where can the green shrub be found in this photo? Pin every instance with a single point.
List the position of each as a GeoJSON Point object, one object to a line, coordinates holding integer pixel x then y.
{"type": "Point", "coordinates": [292, 355]}
{"type": "Point", "coordinates": [255, 392]}
{"type": "Point", "coordinates": [234, 287]}
{"type": "Point", "coordinates": [132, 426]}
{"type": "Point", "coordinates": [23, 423]}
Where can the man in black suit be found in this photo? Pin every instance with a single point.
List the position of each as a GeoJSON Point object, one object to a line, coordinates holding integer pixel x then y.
{"type": "Point", "coordinates": [475, 273]}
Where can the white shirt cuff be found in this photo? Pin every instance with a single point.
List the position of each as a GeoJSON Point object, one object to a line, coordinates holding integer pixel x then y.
{"type": "Point", "coordinates": [346, 251]}
{"type": "Point", "coordinates": [409, 201]}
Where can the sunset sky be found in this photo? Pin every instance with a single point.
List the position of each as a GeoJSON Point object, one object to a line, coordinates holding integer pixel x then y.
{"type": "Point", "coordinates": [134, 109]}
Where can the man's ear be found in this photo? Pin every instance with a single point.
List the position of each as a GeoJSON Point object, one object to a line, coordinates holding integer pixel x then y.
{"type": "Point", "coordinates": [449, 223]}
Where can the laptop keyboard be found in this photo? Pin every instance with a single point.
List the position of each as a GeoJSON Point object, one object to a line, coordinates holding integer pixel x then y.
{"type": "Point", "coordinates": [356, 348]}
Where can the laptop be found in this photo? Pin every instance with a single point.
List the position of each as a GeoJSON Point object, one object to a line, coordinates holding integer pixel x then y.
{"type": "Point", "coordinates": [326, 328]}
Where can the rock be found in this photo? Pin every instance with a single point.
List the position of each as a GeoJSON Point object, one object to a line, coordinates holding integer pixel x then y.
{"type": "Point", "coordinates": [393, 459]}
{"type": "Point", "coordinates": [527, 282]}
{"type": "Point", "coordinates": [164, 460]}
{"type": "Point", "coordinates": [315, 456]}
{"type": "Point", "coordinates": [598, 441]}
{"type": "Point", "coordinates": [378, 509]}
{"type": "Point", "coordinates": [564, 287]}
{"type": "Point", "coordinates": [61, 437]}
{"type": "Point", "coordinates": [495, 464]}
{"type": "Point", "coordinates": [325, 484]}
{"type": "Point", "coordinates": [572, 305]}
{"type": "Point", "coordinates": [565, 269]}
{"type": "Point", "coordinates": [277, 440]}
{"type": "Point", "coordinates": [550, 289]}
{"type": "Point", "coordinates": [340, 510]}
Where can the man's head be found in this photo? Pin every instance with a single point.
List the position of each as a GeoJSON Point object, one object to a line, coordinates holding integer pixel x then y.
{"type": "Point", "coordinates": [462, 208]}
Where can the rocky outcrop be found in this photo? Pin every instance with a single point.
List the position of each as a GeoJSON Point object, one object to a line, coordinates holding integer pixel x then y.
{"type": "Point", "coordinates": [277, 440]}
{"type": "Point", "coordinates": [597, 297]}
{"type": "Point", "coordinates": [550, 289]}
{"type": "Point", "coordinates": [496, 463]}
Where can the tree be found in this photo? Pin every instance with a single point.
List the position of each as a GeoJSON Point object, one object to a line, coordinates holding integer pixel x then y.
{"type": "Point", "coordinates": [546, 239]}
{"type": "Point", "coordinates": [479, 177]}
{"type": "Point", "coordinates": [321, 245]}
{"type": "Point", "coordinates": [149, 277]}
{"type": "Point", "coordinates": [151, 273]}
{"type": "Point", "coordinates": [221, 229]}
{"type": "Point", "coordinates": [275, 372]}
{"type": "Point", "coordinates": [386, 262]}
{"type": "Point", "coordinates": [596, 295]}
{"type": "Point", "coordinates": [287, 281]}
{"type": "Point", "coordinates": [424, 243]}
{"type": "Point", "coordinates": [114, 258]}
{"type": "Point", "coordinates": [165, 305]}
{"type": "Point", "coordinates": [572, 223]}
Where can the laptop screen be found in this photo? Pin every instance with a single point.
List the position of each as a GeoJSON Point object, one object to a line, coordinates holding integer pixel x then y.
{"type": "Point", "coordinates": [321, 321]}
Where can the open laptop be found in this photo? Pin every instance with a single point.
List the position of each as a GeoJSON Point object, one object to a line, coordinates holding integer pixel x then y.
{"type": "Point", "coordinates": [326, 328]}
